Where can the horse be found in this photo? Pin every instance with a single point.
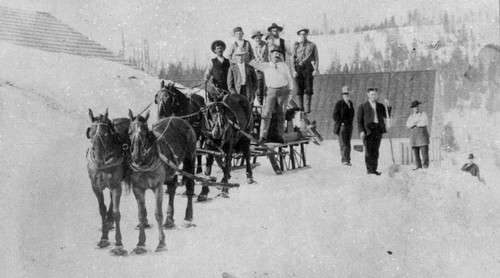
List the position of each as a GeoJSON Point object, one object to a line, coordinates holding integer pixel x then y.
{"type": "Point", "coordinates": [486, 69]}
{"type": "Point", "coordinates": [228, 116]}
{"type": "Point", "coordinates": [173, 102]}
{"type": "Point", "coordinates": [176, 142]}
{"type": "Point", "coordinates": [107, 168]}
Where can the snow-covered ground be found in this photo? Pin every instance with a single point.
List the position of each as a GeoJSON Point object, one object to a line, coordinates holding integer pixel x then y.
{"type": "Point", "coordinates": [325, 221]}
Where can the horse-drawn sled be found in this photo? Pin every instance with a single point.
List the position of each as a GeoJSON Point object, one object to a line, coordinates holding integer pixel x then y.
{"type": "Point", "coordinates": [228, 129]}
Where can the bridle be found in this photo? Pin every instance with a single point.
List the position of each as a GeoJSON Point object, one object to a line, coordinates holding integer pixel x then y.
{"type": "Point", "coordinates": [114, 161]}
{"type": "Point", "coordinates": [151, 165]}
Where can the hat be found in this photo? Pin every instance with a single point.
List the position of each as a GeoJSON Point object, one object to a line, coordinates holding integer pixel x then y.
{"type": "Point", "coordinates": [345, 90]}
{"type": "Point", "coordinates": [256, 33]}
{"type": "Point", "coordinates": [237, 29]}
{"type": "Point", "coordinates": [274, 25]}
{"type": "Point", "coordinates": [303, 29]}
{"type": "Point", "coordinates": [277, 49]}
{"type": "Point", "coordinates": [415, 103]}
{"type": "Point", "coordinates": [471, 156]}
{"type": "Point", "coordinates": [238, 51]}
{"type": "Point", "coordinates": [217, 43]}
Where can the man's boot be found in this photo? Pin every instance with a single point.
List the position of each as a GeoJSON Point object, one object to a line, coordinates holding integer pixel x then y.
{"type": "Point", "coordinates": [308, 104]}
{"type": "Point", "coordinates": [300, 99]}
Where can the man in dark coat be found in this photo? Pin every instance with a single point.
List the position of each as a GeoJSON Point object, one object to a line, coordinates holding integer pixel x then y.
{"type": "Point", "coordinates": [343, 115]}
{"type": "Point", "coordinates": [371, 126]}
{"type": "Point", "coordinates": [472, 167]}
{"type": "Point", "coordinates": [241, 78]}
{"type": "Point", "coordinates": [217, 71]}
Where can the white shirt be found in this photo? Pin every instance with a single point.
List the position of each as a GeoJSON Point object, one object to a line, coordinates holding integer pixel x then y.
{"type": "Point", "coordinates": [374, 106]}
{"type": "Point", "coordinates": [276, 75]}
{"type": "Point", "coordinates": [241, 66]}
{"type": "Point", "coordinates": [417, 119]}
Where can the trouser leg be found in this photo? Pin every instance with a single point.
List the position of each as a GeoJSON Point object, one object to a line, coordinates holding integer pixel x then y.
{"type": "Point", "coordinates": [267, 112]}
{"type": "Point", "coordinates": [416, 155]}
{"type": "Point", "coordinates": [425, 155]}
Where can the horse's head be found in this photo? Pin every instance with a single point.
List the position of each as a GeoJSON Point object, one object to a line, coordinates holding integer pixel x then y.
{"type": "Point", "coordinates": [220, 123]}
{"type": "Point", "coordinates": [142, 140]}
{"type": "Point", "coordinates": [170, 100]}
{"type": "Point", "coordinates": [101, 134]}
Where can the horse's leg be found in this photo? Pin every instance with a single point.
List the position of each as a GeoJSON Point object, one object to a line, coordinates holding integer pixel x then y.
{"type": "Point", "coordinates": [226, 169]}
{"type": "Point", "coordinates": [246, 156]}
{"type": "Point", "coordinates": [159, 216]}
{"type": "Point", "coordinates": [109, 216]}
{"type": "Point", "coordinates": [116, 194]}
{"type": "Point", "coordinates": [189, 167]}
{"type": "Point", "coordinates": [104, 242]}
{"type": "Point", "coordinates": [199, 165]}
{"type": "Point", "coordinates": [171, 187]}
{"type": "Point", "coordinates": [142, 214]}
{"type": "Point", "coordinates": [208, 170]}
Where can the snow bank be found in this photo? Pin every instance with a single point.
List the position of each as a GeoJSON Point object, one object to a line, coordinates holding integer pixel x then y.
{"type": "Point", "coordinates": [326, 221]}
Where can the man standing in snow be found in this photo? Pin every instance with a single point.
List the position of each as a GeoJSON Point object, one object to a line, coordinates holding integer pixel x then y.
{"type": "Point", "coordinates": [472, 168]}
{"type": "Point", "coordinates": [371, 126]}
{"type": "Point", "coordinates": [419, 136]}
{"type": "Point", "coordinates": [343, 115]}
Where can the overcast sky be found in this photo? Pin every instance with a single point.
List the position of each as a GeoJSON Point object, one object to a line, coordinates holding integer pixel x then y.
{"type": "Point", "coordinates": [182, 26]}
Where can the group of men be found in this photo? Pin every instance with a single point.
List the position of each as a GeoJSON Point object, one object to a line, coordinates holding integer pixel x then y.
{"type": "Point", "coordinates": [371, 126]}
{"type": "Point", "coordinates": [261, 71]}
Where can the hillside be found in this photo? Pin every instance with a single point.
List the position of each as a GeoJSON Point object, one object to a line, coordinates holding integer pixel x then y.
{"type": "Point", "coordinates": [325, 221]}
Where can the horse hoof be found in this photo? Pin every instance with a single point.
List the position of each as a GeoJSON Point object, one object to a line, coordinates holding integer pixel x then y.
{"type": "Point", "coordinates": [202, 198]}
{"type": "Point", "coordinates": [103, 243]}
{"type": "Point", "coordinates": [169, 225]}
{"type": "Point", "coordinates": [139, 250]}
{"type": "Point", "coordinates": [118, 251]}
{"type": "Point", "coordinates": [146, 227]}
{"type": "Point", "coordinates": [250, 181]}
{"type": "Point", "coordinates": [161, 248]}
{"type": "Point", "coordinates": [223, 195]}
{"type": "Point", "coordinates": [208, 172]}
{"type": "Point", "coordinates": [188, 224]}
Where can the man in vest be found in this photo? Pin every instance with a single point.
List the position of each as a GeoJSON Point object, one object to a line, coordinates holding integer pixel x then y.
{"type": "Point", "coordinates": [306, 62]}
{"type": "Point", "coordinates": [274, 40]}
{"type": "Point", "coordinates": [217, 71]}
{"type": "Point", "coordinates": [242, 45]}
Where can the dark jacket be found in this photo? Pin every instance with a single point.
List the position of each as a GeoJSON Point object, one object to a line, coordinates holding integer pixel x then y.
{"type": "Point", "coordinates": [234, 81]}
{"type": "Point", "coordinates": [366, 117]}
{"type": "Point", "coordinates": [342, 114]}
{"type": "Point", "coordinates": [219, 74]}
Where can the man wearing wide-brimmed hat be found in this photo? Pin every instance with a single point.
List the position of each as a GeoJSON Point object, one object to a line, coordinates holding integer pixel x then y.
{"type": "Point", "coordinates": [343, 115]}
{"type": "Point", "coordinates": [241, 78]}
{"type": "Point", "coordinates": [419, 135]}
{"type": "Point", "coordinates": [217, 71]}
{"type": "Point", "coordinates": [241, 44]}
{"type": "Point", "coordinates": [275, 41]}
{"type": "Point", "coordinates": [306, 62]}
{"type": "Point", "coordinates": [261, 55]}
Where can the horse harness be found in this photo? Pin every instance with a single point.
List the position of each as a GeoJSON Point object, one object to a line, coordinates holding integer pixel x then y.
{"type": "Point", "coordinates": [90, 155]}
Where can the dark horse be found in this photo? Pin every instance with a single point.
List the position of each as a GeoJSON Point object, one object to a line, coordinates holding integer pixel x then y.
{"type": "Point", "coordinates": [172, 102]}
{"type": "Point", "coordinates": [227, 117]}
{"type": "Point", "coordinates": [171, 140]}
{"type": "Point", "coordinates": [107, 167]}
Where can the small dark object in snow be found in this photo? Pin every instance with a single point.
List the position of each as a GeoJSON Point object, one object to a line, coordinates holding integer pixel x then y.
{"type": "Point", "coordinates": [132, 77]}
{"type": "Point", "coordinates": [389, 252]}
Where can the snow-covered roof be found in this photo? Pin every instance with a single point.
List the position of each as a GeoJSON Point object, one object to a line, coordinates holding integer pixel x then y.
{"type": "Point", "coordinates": [43, 31]}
